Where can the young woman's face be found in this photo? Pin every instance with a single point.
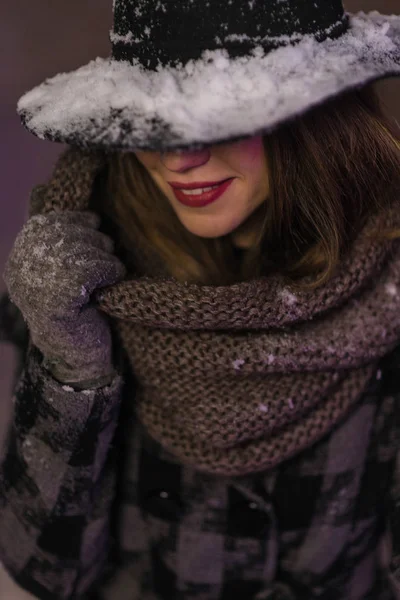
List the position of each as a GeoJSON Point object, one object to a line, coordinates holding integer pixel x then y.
{"type": "Point", "coordinates": [244, 161]}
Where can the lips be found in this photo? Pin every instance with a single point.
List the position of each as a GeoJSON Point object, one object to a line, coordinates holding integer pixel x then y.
{"type": "Point", "coordinates": [200, 200]}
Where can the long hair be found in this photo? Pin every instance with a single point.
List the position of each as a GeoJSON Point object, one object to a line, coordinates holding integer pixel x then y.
{"type": "Point", "coordinates": [329, 170]}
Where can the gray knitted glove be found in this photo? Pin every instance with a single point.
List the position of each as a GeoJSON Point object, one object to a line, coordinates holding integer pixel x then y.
{"type": "Point", "coordinates": [57, 261]}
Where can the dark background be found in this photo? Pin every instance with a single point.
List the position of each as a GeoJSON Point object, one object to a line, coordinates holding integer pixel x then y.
{"type": "Point", "coordinates": [38, 40]}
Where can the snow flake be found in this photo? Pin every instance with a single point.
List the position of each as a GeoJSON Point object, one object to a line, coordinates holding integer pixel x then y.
{"type": "Point", "coordinates": [238, 363]}
{"type": "Point", "coordinates": [391, 289]}
{"type": "Point", "coordinates": [290, 402]}
{"type": "Point", "coordinates": [270, 359]}
{"type": "Point", "coordinates": [67, 388]}
{"type": "Point", "coordinates": [288, 297]}
{"type": "Point", "coordinates": [263, 408]}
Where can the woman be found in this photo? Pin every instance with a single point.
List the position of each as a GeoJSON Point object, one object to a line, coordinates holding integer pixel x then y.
{"type": "Point", "coordinates": [206, 401]}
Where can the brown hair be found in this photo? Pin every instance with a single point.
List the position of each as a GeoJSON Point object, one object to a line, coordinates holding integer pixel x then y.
{"type": "Point", "coordinates": [329, 170]}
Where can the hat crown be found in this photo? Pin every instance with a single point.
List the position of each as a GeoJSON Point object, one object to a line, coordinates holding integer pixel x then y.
{"type": "Point", "coordinates": [167, 32]}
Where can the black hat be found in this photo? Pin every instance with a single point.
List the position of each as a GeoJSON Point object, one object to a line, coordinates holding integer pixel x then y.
{"type": "Point", "coordinates": [184, 74]}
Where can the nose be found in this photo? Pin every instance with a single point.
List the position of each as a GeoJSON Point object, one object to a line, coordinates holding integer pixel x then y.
{"type": "Point", "coordinates": [181, 161]}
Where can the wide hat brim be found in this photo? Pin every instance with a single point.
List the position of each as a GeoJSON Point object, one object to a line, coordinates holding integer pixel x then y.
{"type": "Point", "coordinates": [116, 106]}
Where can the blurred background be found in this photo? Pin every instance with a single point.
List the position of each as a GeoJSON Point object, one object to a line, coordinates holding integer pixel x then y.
{"type": "Point", "coordinates": [38, 40]}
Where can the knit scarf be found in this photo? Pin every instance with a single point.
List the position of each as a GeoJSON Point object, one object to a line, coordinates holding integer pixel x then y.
{"type": "Point", "coordinates": [236, 379]}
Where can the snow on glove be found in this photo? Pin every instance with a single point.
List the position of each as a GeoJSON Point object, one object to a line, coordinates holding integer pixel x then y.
{"type": "Point", "coordinates": [57, 261]}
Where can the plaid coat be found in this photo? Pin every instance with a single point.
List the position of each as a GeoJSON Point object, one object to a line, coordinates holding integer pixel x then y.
{"type": "Point", "coordinates": [92, 508]}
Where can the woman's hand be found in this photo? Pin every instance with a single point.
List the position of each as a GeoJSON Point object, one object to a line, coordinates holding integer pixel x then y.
{"type": "Point", "coordinates": [57, 261]}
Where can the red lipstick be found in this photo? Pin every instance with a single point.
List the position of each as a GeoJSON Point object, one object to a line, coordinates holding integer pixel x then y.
{"type": "Point", "coordinates": [199, 200]}
{"type": "Point", "coordinates": [195, 185]}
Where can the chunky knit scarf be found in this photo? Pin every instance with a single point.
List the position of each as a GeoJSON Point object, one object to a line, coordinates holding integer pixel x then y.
{"type": "Point", "coordinates": [235, 379]}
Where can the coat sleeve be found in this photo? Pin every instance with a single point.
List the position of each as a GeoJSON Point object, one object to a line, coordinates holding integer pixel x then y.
{"type": "Point", "coordinates": [390, 547]}
{"type": "Point", "coordinates": [57, 477]}
{"type": "Point", "coordinates": [391, 542]}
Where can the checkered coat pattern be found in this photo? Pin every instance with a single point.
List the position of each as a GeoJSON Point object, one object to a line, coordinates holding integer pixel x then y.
{"type": "Point", "coordinates": [92, 508]}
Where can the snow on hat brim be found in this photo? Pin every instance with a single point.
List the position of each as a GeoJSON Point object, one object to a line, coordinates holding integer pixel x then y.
{"type": "Point", "coordinates": [113, 105]}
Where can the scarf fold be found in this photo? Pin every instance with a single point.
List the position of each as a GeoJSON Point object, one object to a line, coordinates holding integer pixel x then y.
{"type": "Point", "coordinates": [236, 379]}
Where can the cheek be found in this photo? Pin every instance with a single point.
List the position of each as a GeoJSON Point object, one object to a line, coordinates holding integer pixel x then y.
{"type": "Point", "coordinates": [252, 157]}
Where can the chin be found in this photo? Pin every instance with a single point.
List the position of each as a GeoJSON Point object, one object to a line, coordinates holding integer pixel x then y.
{"type": "Point", "coordinates": [211, 234]}
{"type": "Point", "coordinates": [211, 226]}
